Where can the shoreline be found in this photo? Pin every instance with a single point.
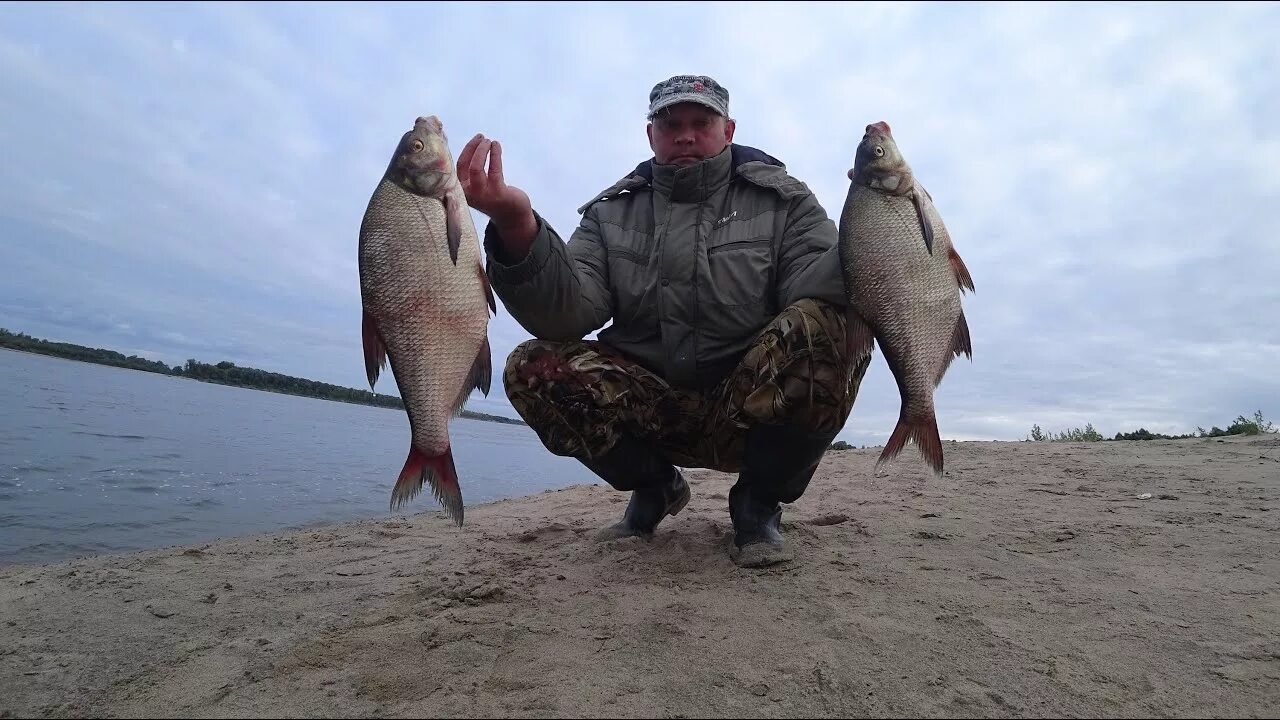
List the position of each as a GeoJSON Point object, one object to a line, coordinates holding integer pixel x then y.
{"type": "Point", "coordinates": [1030, 580]}
{"type": "Point", "coordinates": [467, 414]}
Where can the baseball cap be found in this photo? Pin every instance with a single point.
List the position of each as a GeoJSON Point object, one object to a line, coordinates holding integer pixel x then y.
{"type": "Point", "coordinates": [689, 88]}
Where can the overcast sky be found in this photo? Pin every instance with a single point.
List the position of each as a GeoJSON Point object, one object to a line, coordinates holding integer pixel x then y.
{"type": "Point", "coordinates": [184, 181]}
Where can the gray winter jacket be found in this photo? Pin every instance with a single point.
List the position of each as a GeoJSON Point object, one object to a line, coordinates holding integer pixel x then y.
{"type": "Point", "coordinates": [689, 264]}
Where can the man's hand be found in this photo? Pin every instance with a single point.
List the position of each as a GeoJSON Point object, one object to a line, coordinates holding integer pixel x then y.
{"type": "Point", "coordinates": [507, 206]}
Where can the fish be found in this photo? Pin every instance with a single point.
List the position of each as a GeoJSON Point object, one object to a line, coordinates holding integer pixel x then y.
{"type": "Point", "coordinates": [426, 303]}
{"type": "Point", "coordinates": [904, 280]}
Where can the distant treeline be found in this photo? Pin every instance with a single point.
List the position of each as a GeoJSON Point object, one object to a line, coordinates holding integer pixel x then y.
{"type": "Point", "coordinates": [1240, 426]}
{"type": "Point", "coordinates": [223, 373]}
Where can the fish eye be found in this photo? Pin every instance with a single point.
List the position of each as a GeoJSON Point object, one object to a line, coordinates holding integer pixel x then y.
{"type": "Point", "coordinates": [879, 151]}
{"type": "Point", "coordinates": [417, 146]}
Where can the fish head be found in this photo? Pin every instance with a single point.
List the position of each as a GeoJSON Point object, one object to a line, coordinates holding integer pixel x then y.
{"type": "Point", "coordinates": [878, 154]}
{"type": "Point", "coordinates": [422, 163]}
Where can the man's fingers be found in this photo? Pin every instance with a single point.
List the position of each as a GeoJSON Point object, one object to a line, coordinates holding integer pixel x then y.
{"type": "Point", "coordinates": [495, 165]}
{"type": "Point", "coordinates": [464, 159]}
{"type": "Point", "coordinates": [477, 163]}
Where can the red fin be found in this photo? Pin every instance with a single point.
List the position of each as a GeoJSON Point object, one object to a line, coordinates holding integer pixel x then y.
{"type": "Point", "coordinates": [922, 431]}
{"type": "Point", "coordinates": [960, 345]}
{"type": "Point", "coordinates": [375, 351]}
{"type": "Point", "coordinates": [859, 340]}
{"type": "Point", "coordinates": [962, 272]}
{"type": "Point", "coordinates": [453, 218]}
{"type": "Point", "coordinates": [488, 290]}
{"type": "Point", "coordinates": [436, 471]}
{"type": "Point", "coordinates": [478, 379]}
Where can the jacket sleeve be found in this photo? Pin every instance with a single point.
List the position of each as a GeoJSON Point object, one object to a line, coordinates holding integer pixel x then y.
{"type": "Point", "coordinates": [809, 256]}
{"type": "Point", "coordinates": [558, 292]}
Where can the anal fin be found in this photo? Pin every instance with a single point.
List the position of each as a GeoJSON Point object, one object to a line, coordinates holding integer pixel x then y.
{"type": "Point", "coordinates": [479, 378]}
{"type": "Point", "coordinates": [961, 344]}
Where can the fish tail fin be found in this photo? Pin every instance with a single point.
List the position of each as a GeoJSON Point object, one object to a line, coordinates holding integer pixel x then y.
{"type": "Point", "coordinates": [962, 272]}
{"type": "Point", "coordinates": [924, 432]}
{"type": "Point", "coordinates": [375, 351]}
{"type": "Point", "coordinates": [437, 471]}
{"type": "Point", "coordinates": [960, 345]}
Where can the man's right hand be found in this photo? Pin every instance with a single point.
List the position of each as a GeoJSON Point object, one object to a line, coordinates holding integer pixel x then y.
{"type": "Point", "coordinates": [507, 206]}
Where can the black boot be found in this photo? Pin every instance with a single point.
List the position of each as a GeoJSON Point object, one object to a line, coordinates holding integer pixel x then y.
{"type": "Point", "coordinates": [658, 489]}
{"type": "Point", "coordinates": [648, 507]}
{"type": "Point", "coordinates": [778, 463]}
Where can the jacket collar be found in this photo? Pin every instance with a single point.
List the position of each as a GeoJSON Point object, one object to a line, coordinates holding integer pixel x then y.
{"type": "Point", "coordinates": [694, 183]}
{"type": "Point", "coordinates": [743, 161]}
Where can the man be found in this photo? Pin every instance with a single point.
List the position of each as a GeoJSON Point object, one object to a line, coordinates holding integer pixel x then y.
{"type": "Point", "coordinates": [721, 275]}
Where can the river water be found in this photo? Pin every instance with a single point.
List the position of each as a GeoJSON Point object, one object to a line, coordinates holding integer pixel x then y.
{"type": "Point", "coordinates": [96, 459]}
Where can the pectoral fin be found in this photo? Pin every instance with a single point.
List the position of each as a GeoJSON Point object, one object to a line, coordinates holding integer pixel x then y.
{"type": "Point", "coordinates": [924, 219]}
{"type": "Point", "coordinates": [375, 351]}
{"type": "Point", "coordinates": [454, 218]}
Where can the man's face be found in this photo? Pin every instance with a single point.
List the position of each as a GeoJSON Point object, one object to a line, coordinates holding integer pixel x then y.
{"type": "Point", "coordinates": [686, 133]}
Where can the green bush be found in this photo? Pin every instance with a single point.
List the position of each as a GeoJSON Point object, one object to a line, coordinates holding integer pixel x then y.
{"type": "Point", "coordinates": [1240, 426]}
{"type": "Point", "coordinates": [1088, 434]}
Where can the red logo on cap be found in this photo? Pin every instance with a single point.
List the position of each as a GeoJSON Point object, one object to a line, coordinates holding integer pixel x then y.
{"type": "Point", "coordinates": [697, 87]}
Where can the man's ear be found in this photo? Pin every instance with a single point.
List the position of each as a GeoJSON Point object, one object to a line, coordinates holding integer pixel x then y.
{"type": "Point", "coordinates": [648, 131]}
{"type": "Point", "coordinates": [729, 126]}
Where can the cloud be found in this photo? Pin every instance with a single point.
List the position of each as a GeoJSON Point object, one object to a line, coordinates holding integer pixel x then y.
{"type": "Point", "coordinates": [192, 180]}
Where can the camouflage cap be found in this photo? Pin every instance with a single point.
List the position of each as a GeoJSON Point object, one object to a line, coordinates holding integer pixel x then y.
{"type": "Point", "coordinates": [689, 88]}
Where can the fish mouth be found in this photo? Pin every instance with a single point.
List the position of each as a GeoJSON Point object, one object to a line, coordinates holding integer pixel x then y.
{"type": "Point", "coordinates": [430, 121]}
{"type": "Point", "coordinates": [878, 129]}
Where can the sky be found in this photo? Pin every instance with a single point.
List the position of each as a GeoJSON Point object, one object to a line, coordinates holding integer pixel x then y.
{"type": "Point", "coordinates": [187, 181]}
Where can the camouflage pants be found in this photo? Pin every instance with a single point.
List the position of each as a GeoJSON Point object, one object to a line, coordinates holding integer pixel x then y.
{"type": "Point", "coordinates": [580, 397]}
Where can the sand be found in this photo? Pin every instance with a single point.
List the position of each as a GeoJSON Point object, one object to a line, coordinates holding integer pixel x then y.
{"type": "Point", "coordinates": [1030, 580]}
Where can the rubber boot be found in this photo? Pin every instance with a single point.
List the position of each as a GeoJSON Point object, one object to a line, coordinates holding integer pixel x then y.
{"type": "Point", "coordinates": [778, 463]}
{"type": "Point", "coordinates": [658, 489]}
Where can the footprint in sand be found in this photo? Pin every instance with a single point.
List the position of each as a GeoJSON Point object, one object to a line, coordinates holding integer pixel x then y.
{"type": "Point", "coordinates": [554, 531]}
{"type": "Point", "coordinates": [826, 520]}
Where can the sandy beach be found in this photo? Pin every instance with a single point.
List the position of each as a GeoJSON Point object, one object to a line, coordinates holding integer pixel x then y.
{"type": "Point", "coordinates": [1030, 580]}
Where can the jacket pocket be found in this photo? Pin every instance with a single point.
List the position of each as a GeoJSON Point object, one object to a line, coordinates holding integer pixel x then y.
{"type": "Point", "coordinates": [740, 271]}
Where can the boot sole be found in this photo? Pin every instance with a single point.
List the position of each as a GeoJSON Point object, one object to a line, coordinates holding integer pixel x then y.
{"type": "Point", "coordinates": [761, 554]}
